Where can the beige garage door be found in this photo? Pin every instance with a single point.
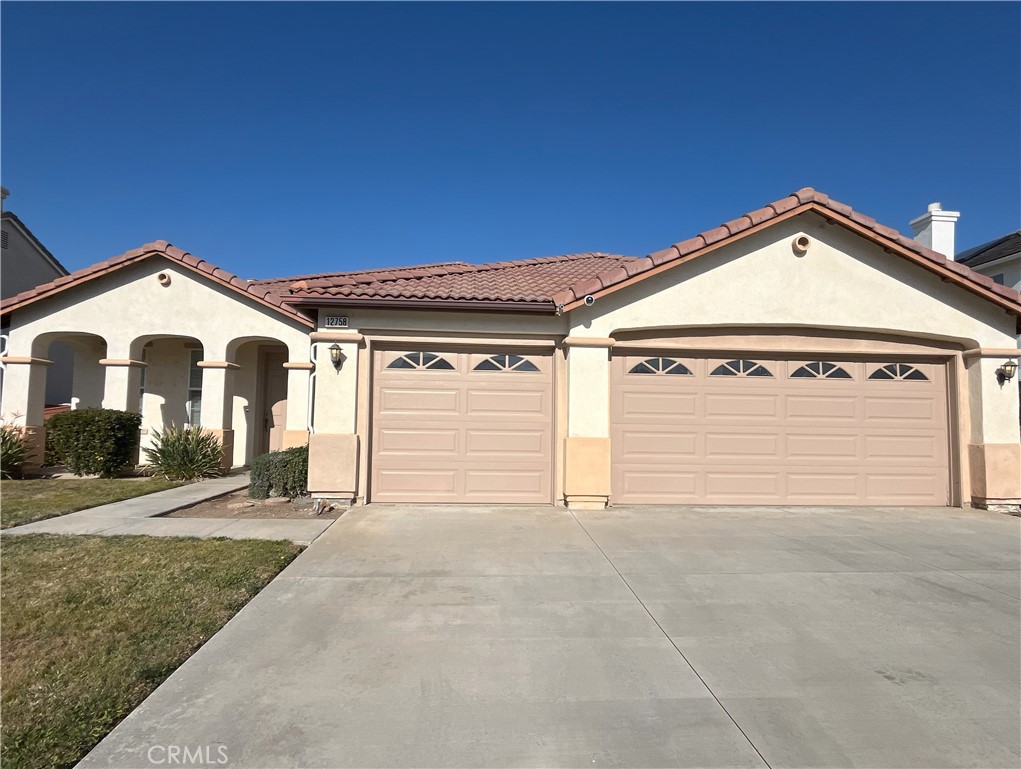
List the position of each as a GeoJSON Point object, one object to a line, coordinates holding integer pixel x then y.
{"type": "Point", "coordinates": [462, 427]}
{"type": "Point", "coordinates": [768, 431]}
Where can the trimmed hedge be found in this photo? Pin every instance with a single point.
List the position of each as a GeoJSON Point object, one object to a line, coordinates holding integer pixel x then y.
{"type": "Point", "coordinates": [280, 474]}
{"type": "Point", "coordinates": [95, 441]}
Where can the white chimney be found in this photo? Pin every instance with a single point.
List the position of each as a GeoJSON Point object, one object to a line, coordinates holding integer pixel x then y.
{"type": "Point", "coordinates": [935, 229]}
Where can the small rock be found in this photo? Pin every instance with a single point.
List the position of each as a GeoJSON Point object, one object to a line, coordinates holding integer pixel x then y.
{"type": "Point", "coordinates": [276, 501]}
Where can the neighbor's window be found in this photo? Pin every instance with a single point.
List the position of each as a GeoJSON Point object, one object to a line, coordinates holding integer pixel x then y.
{"type": "Point", "coordinates": [195, 389]}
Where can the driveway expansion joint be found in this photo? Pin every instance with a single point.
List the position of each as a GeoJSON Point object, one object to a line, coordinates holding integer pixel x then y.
{"type": "Point", "coordinates": [671, 641]}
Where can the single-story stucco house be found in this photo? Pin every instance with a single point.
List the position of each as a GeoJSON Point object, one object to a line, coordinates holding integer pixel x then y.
{"type": "Point", "coordinates": [799, 354]}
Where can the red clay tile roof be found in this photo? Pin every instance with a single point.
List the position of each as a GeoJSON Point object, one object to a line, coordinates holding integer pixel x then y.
{"type": "Point", "coordinates": [806, 199]}
{"type": "Point", "coordinates": [550, 284]}
{"type": "Point", "coordinates": [278, 283]}
{"type": "Point", "coordinates": [158, 248]}
{"type": "Point", "coordinates": [532, 281]}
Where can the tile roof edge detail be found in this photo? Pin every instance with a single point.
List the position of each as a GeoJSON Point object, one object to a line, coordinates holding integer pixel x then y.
{"type": "Point", "coordinates": [135, 255]}
{"type": "Point", "coordinates": [805, 199]}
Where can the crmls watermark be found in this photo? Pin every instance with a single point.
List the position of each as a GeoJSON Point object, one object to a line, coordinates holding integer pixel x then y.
{"type": "Point", "coordinates": [187, 755]}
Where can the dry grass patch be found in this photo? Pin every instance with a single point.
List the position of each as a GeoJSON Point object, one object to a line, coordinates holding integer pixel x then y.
{"type": "Point", "coordinates": [91, 625]}
{"type": "Point", "coordinates": [25, 501]}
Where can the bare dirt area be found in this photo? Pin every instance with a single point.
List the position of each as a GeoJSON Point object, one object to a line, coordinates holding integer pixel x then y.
{"type": "Point", "coordinates": [239, 505]}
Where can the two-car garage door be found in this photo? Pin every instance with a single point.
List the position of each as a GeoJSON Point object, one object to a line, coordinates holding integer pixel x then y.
{"type": "Point", "coordinates": [720, 430]}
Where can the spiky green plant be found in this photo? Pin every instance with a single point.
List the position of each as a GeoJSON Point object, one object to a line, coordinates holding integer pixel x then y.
{"type": "Point", "coordinates": [13, 450]}
{"type": "Point", "coordinates": [184, 454]}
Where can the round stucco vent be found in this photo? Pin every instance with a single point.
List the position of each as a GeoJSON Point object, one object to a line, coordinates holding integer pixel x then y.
{"type": "Point", "coordinates": [800, 244]}
{"type": "Point", "coordinates": [163, 278]}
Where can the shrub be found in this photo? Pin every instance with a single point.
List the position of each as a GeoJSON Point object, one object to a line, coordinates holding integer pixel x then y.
{"type": "Point", "coordinates": [95, 441]}
{"type": "Point", "coordinates": [184, 454]}
{"type": "Point", "coordinates": [280, 474]}
{"type": "Point", "coordinates": [13, 450]}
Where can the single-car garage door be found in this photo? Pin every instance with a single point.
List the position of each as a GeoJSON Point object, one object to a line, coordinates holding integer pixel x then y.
{"type": "Point", "coordinates": [720, 430]}
{"type": "Point", "coordinates": [462, 427]}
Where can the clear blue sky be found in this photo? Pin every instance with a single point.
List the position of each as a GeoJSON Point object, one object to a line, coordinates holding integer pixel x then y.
{"type": "Point", "coordinates": [276, 139]}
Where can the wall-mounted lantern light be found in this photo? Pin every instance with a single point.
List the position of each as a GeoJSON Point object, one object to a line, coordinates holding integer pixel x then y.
{"type": "Point", "coordinates": [1006, 371]}
{"type": "Point", "coordinates": [336, 356]}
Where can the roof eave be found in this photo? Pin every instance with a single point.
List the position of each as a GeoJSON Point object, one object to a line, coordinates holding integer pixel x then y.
{"type": "Point", "coordinates": [947, 273]}
{"type": "Point", "coordinates": [450, 305]}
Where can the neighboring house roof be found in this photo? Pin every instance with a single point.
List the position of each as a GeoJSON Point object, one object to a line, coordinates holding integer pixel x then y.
{"type": "Point", "coordinates": [549, 284]}
{"type": "Point", "coordinates": [11, 218]}
{"type": "Point", "coordinates": [1008, 245]}
{"type": "Point", "coordinates": [136, 255]}
{"type": "Point", "coordinates": [512, 284]}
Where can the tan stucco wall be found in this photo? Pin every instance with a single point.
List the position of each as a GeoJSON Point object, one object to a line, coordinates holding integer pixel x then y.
{"type": "Point", "coordinates": [125, 310]}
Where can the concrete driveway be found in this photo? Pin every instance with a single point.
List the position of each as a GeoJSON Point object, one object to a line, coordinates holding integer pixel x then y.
{"type": "Point", "coordinates": [413, 636]}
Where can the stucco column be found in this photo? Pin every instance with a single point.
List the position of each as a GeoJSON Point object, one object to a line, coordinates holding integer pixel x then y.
{"type": "Point", "coordinates": [218, 403]}
{"type": "Point", "coordinates": [296, 424]}
{"type": "Point", "coordinates": [994, 450]}
{"type": "Point", "coordinates": [333, 444]}
{"type": "Point", "coordinates": [587, 452]}
{"type": "Point", "coordinates": [24, 395]}
{"type": "Point", "coordinates": [122, 383]}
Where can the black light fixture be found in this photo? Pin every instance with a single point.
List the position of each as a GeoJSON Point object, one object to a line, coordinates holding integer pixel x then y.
{"type": "Point", "coordinates": [1007, 370]}
{"type": "Point", "coordinates": [336, 356]}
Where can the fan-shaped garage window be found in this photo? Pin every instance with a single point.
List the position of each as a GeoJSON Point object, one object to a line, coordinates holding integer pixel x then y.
{"type": "Point", "coordinates": [422, 360]}
{"type": "Point", "coordinates": [898, 371]}
{"type": "Point", "coordinates": [821, 370]}
{"type": "Point", "coordinates": [740, 368]}
{"type": "Point", "coordinates": [506, 363]}
{"type": "Point", "coordinates": [661, 366]}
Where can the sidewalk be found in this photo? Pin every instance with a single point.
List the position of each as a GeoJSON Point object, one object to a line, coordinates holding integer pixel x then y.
{"type": "Point", "coordinates": [140, 516]}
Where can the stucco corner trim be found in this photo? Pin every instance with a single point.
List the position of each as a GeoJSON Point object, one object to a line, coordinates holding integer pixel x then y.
{"type": "Point", "coordinates": [584, 341]}
{"type": "Point", "coordinates": [122, 362]}
{"type": "Point", "coordinates": [16, 360]}
{"type": "Point", "coordinates": [218, 364]}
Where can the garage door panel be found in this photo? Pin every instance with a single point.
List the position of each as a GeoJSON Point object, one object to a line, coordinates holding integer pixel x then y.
{"type": "Point", "coordinates": [516, 402]}
{"type": "Point", "coordinates": [660, 487]}
{"type": "Point", "coordinates": [740, 445]}
{"type": "Point", "coordinates": [821, 447]}
{"type": "Point", "coordinates": [741, 406]}
{"type": "Point", "coordinates": [814, 407]}
{"type": "Point", "coordinates": [417, 441]}
{"type": "Point", "coordinates": [822, 487]}
{"type": "Point", "coordinates": [530, 444]}
{"type": "Point", "coordinates": [742, 439]}
{"type": "Point", "coordinates": [883, 408]}
{"type": "Point", "coordinates": [461, 434]}
{"type": "Point", "coordinates": [413, 482]}
{"type": "Point", "coordinates": [657, 404]}
{"type": "Point", "coordinates": [417, 401]}
{"type": "Point", "coordinates": [506, 482]}
{"type": "Point", "coordinates": [662, 443]}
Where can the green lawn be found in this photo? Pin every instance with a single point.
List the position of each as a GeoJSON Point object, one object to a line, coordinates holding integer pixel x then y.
{"type": "Point", "coordinates": [24, 501]}
{"type": "Point", "coordinates": [91, 625]}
